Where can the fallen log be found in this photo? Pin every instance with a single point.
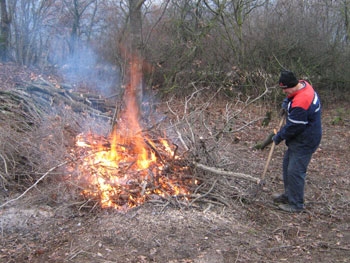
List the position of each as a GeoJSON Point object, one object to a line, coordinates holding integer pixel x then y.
{"type": "Point", "coordinates": [223, 172]}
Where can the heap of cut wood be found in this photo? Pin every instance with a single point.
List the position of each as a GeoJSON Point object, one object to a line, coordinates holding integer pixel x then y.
{"type": "Point", "coordinates": [33, 134]}
{"type": "Point", "coordinates": [46, 93]}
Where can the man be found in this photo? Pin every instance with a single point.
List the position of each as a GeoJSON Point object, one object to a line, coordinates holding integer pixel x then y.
{"type": "Point", "coordinates": [302, 134]}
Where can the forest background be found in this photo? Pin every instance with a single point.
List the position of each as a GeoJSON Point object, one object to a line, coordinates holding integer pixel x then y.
{"type": "Point", "coordinates": [233, 45]}
{"type": "Point", "coordinates": [209, 72]}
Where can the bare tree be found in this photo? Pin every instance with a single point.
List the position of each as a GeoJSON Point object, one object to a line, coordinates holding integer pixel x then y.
{"type": "Point", "coordinates": [346, 12]}
{"type": "Point", "coordinates": [31, 27]}
{"type": "Point", "coordinates": [136, 56]}
{"type": "Point", "coordinates": [4, 31]}
{"type": "Point", "coordinates": [232, 16]}
{"type": "Point", "coordinates": [200, 41]}
{"type": "Point", "coordinates": [76, 9]}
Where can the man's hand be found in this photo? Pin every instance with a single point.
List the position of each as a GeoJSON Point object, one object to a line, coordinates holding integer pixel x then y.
{"type": "Point", "coordinates": [276, 139]}
{"type": "Point", "coordinates": [285, 103]}
{"type": "Point", "coordinates": [284, 108]}
{"type": "Point", "coordinates": [283, 112]}
{"type": "Point", "coordinates": [265, 143]}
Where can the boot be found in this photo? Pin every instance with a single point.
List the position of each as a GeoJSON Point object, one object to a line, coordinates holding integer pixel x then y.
{"type": "Point", "coordinates": [290, 208]}
{"type": "Point", "coordinates": [280, 198]}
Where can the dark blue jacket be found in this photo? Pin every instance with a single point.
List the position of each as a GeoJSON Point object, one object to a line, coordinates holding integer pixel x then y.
{"type": "Point", "coordinates": [302, 131]}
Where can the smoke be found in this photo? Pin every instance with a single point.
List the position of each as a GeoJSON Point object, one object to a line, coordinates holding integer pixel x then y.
{"type": "Point", "coordinates": [85, 68]}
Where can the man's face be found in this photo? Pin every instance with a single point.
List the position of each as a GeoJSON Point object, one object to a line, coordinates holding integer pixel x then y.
{"type": "Point", "coordinates": [291, 90]}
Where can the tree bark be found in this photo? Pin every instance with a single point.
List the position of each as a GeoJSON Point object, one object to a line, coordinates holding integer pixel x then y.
{"type": "Point", "coordinates": [4, 31]}
{"type": "Point", "coordinates": [136, 74]}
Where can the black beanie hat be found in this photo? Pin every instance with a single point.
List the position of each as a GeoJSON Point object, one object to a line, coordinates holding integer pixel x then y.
{"type": "Point", "coordinates": [287, 79]}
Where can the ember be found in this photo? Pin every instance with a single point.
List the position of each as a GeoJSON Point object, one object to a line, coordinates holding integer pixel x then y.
{"type": "Point", "coordinates": [128, 168]}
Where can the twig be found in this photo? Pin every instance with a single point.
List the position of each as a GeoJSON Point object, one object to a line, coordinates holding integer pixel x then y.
{"type": "Point", "coordinates": [175, 151]}
{"type": "Point", "coordinates": [246, 125]}
{"type": "Point", "coordinates": [155, 151]}
{"type": "Point", "coordinates": [181, 140]}
{"type": "Point", "coordinates": [32, 186]}
{"type": "Point", "coordinates": [203, 195]}
{"type": "Point", "coordinates": [246, 104]}
{"type": "Point", "coordinates": [279, 63]}
{"type": "Point", "coordinates": [5, 166]}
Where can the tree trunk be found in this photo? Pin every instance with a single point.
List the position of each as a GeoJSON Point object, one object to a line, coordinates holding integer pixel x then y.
{"type": "Point", "coordinates": [346, 21]}
{"type": "Point", "coordinates": [136, 58]}
{"type": "Point", "coordinates": [4, 31]}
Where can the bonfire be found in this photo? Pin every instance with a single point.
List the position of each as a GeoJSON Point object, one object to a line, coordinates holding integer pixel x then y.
{"type": "Point", "coordinates": [128, 167]}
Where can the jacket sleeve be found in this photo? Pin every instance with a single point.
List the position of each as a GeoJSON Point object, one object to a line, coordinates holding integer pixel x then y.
{"type": "Point", "coordinates": [295, 124]}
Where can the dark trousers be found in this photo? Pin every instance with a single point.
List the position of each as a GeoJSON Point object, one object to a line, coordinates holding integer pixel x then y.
{"type": "Point", "coordinates": [294, 173]}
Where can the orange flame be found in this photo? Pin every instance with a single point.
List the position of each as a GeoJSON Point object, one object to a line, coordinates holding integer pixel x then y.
{"type": "Point", "coordinates": [125, 170]}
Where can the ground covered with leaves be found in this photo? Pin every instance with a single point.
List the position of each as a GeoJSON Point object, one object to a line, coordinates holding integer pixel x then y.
{"type": "Point", "coordinates": [226, 220]}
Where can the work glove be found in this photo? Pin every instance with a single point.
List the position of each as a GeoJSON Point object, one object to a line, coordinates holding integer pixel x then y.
{"type": "Point", "coordinates": [265, 143]}
{"type": "Point", "coordinates": [284, 108]}
{"type": "Point", "coordinates": [285, 103]}
{"type": "Point", "coordinates": [276, 139]}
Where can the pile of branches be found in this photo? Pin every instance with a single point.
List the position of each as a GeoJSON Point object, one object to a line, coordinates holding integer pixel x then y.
{"type": "Point", "coordinates": [38, 121]}
{"type": "Point", "coordinates": [209, 128]}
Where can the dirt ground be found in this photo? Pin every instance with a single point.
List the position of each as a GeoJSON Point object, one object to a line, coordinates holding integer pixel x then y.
{"type": "Point", "coordinates": [36, 228]}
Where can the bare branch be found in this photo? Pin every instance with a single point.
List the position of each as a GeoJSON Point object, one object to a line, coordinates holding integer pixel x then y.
{"type": "Point", "coordinates": [223, 172]}
{"type": "Point", "coordinates": [33, 185]}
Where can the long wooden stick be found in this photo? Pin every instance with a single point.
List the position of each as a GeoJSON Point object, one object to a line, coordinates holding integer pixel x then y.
{"type": "Point", "coordinates": [223, 172]}
{"type": "Point", "coordinates": [271, 151]}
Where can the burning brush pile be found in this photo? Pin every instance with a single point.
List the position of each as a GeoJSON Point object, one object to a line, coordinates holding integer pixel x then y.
{"type": "Point", "coordinates": [128, 167]}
